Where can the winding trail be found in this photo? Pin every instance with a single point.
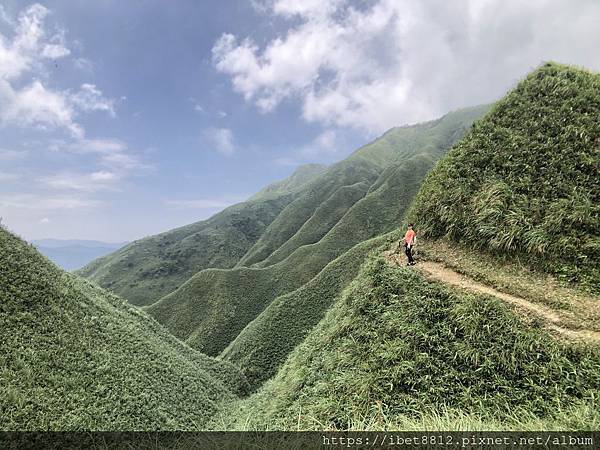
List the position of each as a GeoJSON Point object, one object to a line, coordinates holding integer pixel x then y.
{"type": "Point", "coordinates": [439, 272]}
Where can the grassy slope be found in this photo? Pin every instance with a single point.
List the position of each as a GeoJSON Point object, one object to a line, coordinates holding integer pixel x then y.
{"type": "Point", "coordinates": [303, 175]}
{"type": "Point", "coordinates": [524, 182]}
{"type": "Point", "coordinates": [300, 224]}
{"type": "Point", "coordinates": [76, 357]}
{"type": "Point", "coordinates": [213, 307]}
{"type": "Point", "coordinates": [397, 351]}
{"type": "Point", "coordinates": [318, 193]}
{"type": "Point", "coordinates": [150, 268]}
{"type": "Point", "coordinates": [263, 346]}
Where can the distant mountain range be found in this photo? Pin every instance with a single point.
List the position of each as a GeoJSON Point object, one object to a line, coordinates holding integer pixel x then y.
{"type": "Point", "coordinates": [71, 254]}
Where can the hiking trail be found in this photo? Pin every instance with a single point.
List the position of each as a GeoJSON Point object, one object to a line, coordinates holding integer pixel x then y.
{"type": "Point", "coordinates": [439, 272]}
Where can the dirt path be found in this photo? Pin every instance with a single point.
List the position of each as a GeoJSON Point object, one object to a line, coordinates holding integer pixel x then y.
{"type": "Point", "coordinates": [439, 272]}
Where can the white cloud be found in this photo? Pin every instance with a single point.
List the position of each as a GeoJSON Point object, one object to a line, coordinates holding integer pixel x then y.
{"type": "Point", "coordinates": [30, 44]}
{"type": "Point", "coordinates": [44, 220]}
{"type": "Point", "coordinates": [322, 148]}
{"type": "Point", "coordinates": [87, 182]}
{"type": "Point", "coordinates": [390, 62]}
{"type": "Point", "coordinates": [112, 153]}
{"type": "Point", "coordinates": [221, 138]}
{"type": "Point", "coordinates": [56, 47]}
{"type": "Point", "coordinates": [12, 155]}
{"type": "Point", "coordinates": [90, 98]}
{"type": "Point", "coordinates": [124, 162]}
{"type": "Point", "coordinates": [5, 17]}
{"type": "Point", "coordinates": [102, 146]}
{"type": "Point", "coordinates": [34, 104]}
{"type": "Point", "coordinates": [6, 176]}
{"type": "Point", "coordinates": [325, 143]}
{"type": "Point", "coordinates": [84, 64]}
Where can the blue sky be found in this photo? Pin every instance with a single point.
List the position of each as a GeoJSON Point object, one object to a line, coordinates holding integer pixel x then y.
{"type": "Point", "coordinates": [123, 119]}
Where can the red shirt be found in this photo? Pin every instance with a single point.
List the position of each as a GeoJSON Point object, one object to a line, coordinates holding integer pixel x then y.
{"type": "Point", "coordinates": [409, 236]}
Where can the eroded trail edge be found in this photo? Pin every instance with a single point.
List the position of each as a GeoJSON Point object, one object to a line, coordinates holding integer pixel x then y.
{"type": "Point", "coordinates": [439, 272]}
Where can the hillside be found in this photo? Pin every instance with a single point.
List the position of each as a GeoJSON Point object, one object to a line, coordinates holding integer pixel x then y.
{"type": "Point", "coordinates": [397, 351]}
{"type": "Point", "coordinates": [262, 347]}
{"type": "Point", "coordinates": [76, 357]}
{"type": "Point", "coordinates": [214, 306]}
{"type": "Point", "coordinates": [524, 183]}
{"type": "Point", "coordinates": [303, 175]}
{"type": "Point", "coordinates": [469, 338]}
{"type": "Point", "coordinates": [147, 269]}
{"type": "Point", "coordinates": [294, 310]}
{"type": "Point", "coordinates": [74, 254]}
{"type": "Point", "coordinates": [304, 221]}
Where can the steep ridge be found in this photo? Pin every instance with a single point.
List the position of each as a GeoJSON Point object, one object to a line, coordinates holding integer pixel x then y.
{"type": "Point", "coordinates": [214, 306]}
{"type": "Point", "coordinates": [75, 357]}
{"type": "Point", "coordinates": [524, 183]}
{"type": "Point", "coordinates": [150, 268]}
{"type": "Point", "coordinates": [294, 227]}
{"type": "Point", "coordinates": [324, 218]}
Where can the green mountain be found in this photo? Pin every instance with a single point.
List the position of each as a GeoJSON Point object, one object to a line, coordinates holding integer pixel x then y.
{"type": "Point", "coordinates": [454, 343]}
{"type": "Point", "coordinates": [352, 201]}
{"type": "Point", "coordinates": [77, 357]}
{"type": "Point", "coordinates": [296, 181]}
{"type": "Point", "coordinates": [150, 268]}
{"type": "Point", "coordinates": [301, 310]}
{"type": "Point", "coordinates": [524, 183]}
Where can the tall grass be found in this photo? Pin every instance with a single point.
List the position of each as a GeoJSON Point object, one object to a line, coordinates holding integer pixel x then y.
{"type": "Point", "coordinates": [399, 352]}
{"type": "Point", "coordinates": [524, 181]}
{"type": "Point", "coordinates": [75, 357]}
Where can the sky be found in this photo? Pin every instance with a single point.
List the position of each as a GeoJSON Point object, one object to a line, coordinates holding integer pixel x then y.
{"type": "Point", "coordinates": [123, 119]}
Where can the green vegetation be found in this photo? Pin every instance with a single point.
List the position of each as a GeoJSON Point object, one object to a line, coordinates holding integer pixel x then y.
{"type": "Point", "coordinates": [397, 350]}
{"type": "Point", "coordinates": [578, 309]}
{"type": "Point", "coordinates": [263, 346]}
{"type": "Point", "coordinates": [76, 357]}
{"type": "Point", "coordinates": [150, 268]}
{"type": "Point", "coordinates": [307, 320]}
{"type": "Point", "coordinates": [524, 182]}
{"type": "Point", "coordinates": [214, 306]}
{"type": "Point", "coordinates": [321, 195]}
{"type": "Point", "coordinates": [332, 214]}
{"type": "Point", "coordinates": [303, 175]}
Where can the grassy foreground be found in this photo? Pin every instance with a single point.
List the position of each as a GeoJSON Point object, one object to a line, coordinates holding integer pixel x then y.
{"type": "Point", "coordinates": [75, 357]}
{"type": "Point", "coordinates": [399, 352]}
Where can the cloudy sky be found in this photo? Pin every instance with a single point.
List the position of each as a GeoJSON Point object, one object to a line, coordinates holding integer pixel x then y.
{"type": "Point", "coordinates": [122, 119]}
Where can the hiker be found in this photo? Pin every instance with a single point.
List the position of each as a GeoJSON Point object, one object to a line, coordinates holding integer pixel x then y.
{"type": "Point", "coordinates": [408, 241]}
